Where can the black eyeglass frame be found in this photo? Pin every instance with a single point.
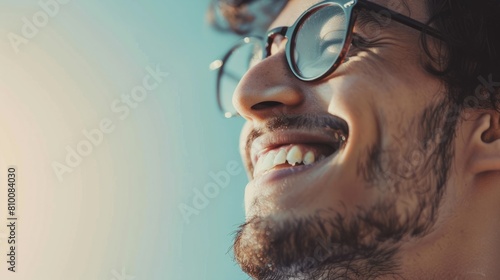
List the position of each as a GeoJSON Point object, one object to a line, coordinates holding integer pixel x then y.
{"type": "Point", "coordinates": [289, 32]}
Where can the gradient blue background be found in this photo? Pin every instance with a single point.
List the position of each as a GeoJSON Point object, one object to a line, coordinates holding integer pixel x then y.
{"type": "Point", "coordinates": [117, 212]}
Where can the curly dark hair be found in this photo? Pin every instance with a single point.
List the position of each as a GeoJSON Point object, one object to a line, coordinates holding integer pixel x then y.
{"type": "Point", "coordinates": [469, 60]}
{"type": "Point", "coordinates": [243, 16]}
{"type": "Point", "coordinates": [471, 57]}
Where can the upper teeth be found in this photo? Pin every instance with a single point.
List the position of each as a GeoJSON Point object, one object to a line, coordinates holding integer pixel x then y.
{"type": "Point", "coordinates": [280, 157]}
{"type": "Point", "coordinates": [293, 156]}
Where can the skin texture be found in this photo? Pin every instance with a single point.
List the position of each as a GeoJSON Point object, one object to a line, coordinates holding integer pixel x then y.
{"type": "Point", "coordinates": [411, 194]}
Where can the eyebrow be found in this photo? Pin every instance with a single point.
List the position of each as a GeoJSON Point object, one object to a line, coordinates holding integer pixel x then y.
{"type": "Point", "coordinates": [365, 17]}
{"type": "Point", "coordinates": [376, 15]}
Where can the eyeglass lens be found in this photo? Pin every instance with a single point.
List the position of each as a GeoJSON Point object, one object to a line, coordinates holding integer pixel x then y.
{"type": "Point", "coordinates": [319, 41]}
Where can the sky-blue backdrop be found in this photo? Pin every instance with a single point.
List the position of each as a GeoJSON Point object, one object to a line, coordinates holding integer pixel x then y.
{"type": "Point", "coordinates": [115, 211]}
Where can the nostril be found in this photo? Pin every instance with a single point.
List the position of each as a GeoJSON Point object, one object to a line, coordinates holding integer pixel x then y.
{"type": "Point", "coordinates": [266, 105]}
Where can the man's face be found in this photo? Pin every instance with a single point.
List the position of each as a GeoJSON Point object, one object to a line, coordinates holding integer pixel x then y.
{"type": "Point", "coordinates": [366, 149]}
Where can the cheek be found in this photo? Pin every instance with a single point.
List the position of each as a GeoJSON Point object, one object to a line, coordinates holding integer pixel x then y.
{"type": "Point", "coordinates": [245, 131]}
{"type": "Point", "coordinates": [393, 94]}
{"type": "Point", "coordinates": [356, 98]}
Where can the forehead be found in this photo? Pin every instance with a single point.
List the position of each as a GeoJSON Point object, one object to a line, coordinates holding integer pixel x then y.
{"type": "Point", "coordinates": [415, 9]}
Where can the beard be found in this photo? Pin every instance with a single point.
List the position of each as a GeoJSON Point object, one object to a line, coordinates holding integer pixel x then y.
{"type": "Point", "coordinates": [364, 243]}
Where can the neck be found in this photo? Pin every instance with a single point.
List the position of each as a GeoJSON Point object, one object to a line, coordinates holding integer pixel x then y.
{"type": "Point", "coordinates": [465, 240]}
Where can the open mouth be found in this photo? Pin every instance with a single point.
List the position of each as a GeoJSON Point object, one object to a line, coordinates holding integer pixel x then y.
{"type": "Point", "coordinates": [293, 149]}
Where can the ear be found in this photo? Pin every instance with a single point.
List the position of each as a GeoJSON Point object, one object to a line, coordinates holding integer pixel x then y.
{"type": "Point", "coordinates": [484, 143]}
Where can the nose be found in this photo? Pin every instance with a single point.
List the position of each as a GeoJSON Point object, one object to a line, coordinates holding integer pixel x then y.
{"type": "Point", "coordinates": [269, 88]}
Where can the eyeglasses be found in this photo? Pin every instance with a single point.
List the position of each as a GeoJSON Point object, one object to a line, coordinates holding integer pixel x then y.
{"type": "Point", "coordinates": [317, 43]}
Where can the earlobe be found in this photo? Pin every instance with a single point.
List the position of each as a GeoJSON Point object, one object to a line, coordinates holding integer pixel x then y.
{"type": "Point", "coordinates": [484, 143]}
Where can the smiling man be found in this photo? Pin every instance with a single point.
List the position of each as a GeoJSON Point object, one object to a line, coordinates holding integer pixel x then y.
{"type": "Point", "coordinates": [372, 138]}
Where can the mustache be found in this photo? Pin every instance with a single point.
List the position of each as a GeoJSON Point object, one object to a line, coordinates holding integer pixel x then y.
{"type": "Point", "coordinates": [298, 122]}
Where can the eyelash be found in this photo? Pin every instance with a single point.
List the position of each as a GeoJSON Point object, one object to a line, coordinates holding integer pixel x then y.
{"type": "Point", "coordinates": [359, 42]}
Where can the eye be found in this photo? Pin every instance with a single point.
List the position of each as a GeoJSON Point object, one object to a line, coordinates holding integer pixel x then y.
{"type": "Point", "coordinates": [330, 44]}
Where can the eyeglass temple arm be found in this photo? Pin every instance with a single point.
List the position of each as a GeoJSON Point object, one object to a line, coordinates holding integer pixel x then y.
{"type": "Point", "coordinates": [401, 18]}
{"type": "Point", "coordinates": [233, 76]}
